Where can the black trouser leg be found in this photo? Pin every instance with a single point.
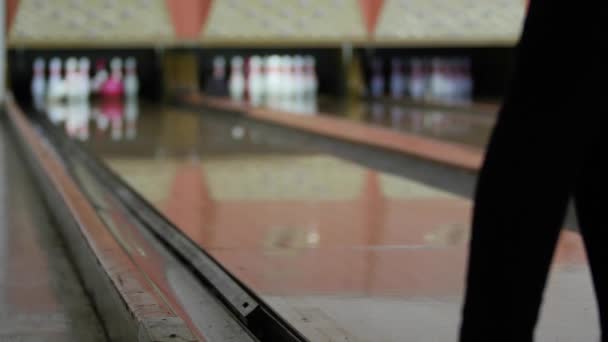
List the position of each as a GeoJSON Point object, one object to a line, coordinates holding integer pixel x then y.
{"type": "Point", "coordinates": [520, 204]}
{"type": "Point", "coordinates": [524, 186]}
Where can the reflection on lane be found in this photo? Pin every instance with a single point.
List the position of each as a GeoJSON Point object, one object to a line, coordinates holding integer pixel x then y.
{"type": "Point", "coordinates": [339, 249]}
{"type": "Point", "coordinates": [457, 126]}
{"type": "Point", "coordinates": [117, 116]}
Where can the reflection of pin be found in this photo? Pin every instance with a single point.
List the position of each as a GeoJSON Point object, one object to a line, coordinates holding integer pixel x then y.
{"type": "Point", "coordinates": [377, 112]}
{"type": "Point", "coordinates": [397, 114]}
{"type": "Point", "coordinates": [417, 121]}
{"type": "Point", "coordinates": [101, 120]}
{"type": "Point", "coordinates": [77, 119]}
{"type": "Point", "coordinates": [112, 109]}
{"type": "Point", "coordinates": [131, 115]}
{"type": "Point", "coordinates": [55, 112]}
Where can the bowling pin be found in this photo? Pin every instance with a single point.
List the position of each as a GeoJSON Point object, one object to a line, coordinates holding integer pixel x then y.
{"type": "Point", "coordinates": [255, 82]}
{"type": "Point", "coordinates": [310, 76]}
{"type": "Point", "coordinates": [100, 77]}
{"type": "Point", "coordinates": [56, 85]}
{"type": "Point", "coordinates": [437, 83]}
{"type": "Point", "coordinates": [113, 87]}
{"type": "Point", "coordinates": [236, 84]}
{"type": "Point", "coordinates": [286, 76]}
{"type": "Point", "coordinates": [84, 65]}
{"type": "Point", "coordinates": [273, 76]}
{"type": "Point", "coordinates": [131, 82]}
{"type": "Point", "coordinates": [417, 84]}
{"type": "Point", "coordinates": [216, 85]}
{"type": "Point", "coordinates": [466, 79]}
{"type": "Point", "coordinates": [219, 68]}
{"type": "Point", "coordinates": [377, 79]}
{"type": "Point", "coordinates": [72, 81]}
{"type": "Point", "coordinates": [397, 79]}
{"type": "Point", "coordinates": [38, 86]}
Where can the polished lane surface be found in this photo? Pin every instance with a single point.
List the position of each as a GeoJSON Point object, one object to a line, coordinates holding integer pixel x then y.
{"type": "Point", "coordinates": [457, 125]}
{"type": "Point", "coordinates": [41, 298]}
{"type": "Point", "coordinates": [345, 252]}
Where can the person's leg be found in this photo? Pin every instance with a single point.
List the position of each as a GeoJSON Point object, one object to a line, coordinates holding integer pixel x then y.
{"type": "Point", "coordinates": [522, 191]}
{"type": "Point", "coordinates": [590, 192]}
{"type": "Point", "coordinates": [519, 209]}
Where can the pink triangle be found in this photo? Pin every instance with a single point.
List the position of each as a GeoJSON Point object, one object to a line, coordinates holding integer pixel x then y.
{"type": "Point", "coordinates": [370, 9]}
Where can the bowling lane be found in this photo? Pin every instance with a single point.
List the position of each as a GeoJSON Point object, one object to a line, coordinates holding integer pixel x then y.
{"type": "Point", "coordinates": [460, 124]}
{"type": "Point", "coordinates": [457, 124]}
{"type": "Point", "coordinates": [41, 297]}
{"type": "Point", "coordinates": [344, 251]}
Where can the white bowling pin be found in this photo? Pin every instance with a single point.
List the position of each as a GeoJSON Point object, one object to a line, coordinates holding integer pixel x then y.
{"type": "Point", "coordinates": [467, 79]}
{"type": "Point", "coordinates": [101, 75]}
{"type": "Point", "coordinates": [38, 86]}
{"type": "Point", "coordinates": [273, 77]}
{"type": "Point", "coordinates": [377, 79]}
{"type": "Point", "coordinates": [299, 78]}
{"type": "Point", "coordinates": [84, 64]}
{"type": "Point", "coordinates": [417, 84]}
{"type": "Point", "coordinates": [116, 68]}
{"type": "Point", "coordinates": [131, 82]}
{"type": "Point", "coordinates": [236, 84]}
{"type": "Point", "coordinates": [255, 82]}
{"type": "Point", "coordinates": [397, 79]}
{"type": "Point", "coordinates": [219, 68]}
{"type": "Point", "coordinates": [72, 81]}
{"type": "Point", "coordinates": [56, 85]}
{"type": "Point", "coordinates": [310, 76]}
{"type": "Point", "coordinates": [286, 75]}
